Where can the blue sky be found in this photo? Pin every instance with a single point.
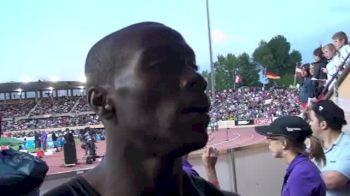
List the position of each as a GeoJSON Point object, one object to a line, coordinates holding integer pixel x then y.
{"type": "Point", "coordinates": [42, 39]}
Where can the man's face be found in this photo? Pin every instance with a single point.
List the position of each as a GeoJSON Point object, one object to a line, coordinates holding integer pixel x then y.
{"type": "Point", "coordinates": [338, 43]}
{"type": "Point", "coordinates": [159, 96]}
{"type": "Point", "coordinates": [314, 123]}
{"type": "Point", "coordinates": [275, 146]}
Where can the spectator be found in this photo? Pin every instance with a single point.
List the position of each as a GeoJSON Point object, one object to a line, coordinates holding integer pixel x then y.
{"type": "Point", "coordinates": [307, 87]}
{"type": "Point", "coordinates": [326, 121]}
{"type": "Point", "coordinates": [330, 53]}
{"type": "Point", "coordinates": [286, 137]}
{"type": "Point", "coordinates": [317, 74]}
{"type": "Point", "coordinates": [340, 41]}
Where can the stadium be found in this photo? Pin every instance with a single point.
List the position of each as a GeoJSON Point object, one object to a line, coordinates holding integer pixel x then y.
{"type": "Point", "coordinates": [244, 160]}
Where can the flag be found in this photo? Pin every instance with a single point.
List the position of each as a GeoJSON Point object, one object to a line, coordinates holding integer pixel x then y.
{"type": "Point", "coordinates": [298, 70]}
{"type": "Point", "coordinates": [272, 76]}
{"type": "Point", "coordinates": [237, 79]}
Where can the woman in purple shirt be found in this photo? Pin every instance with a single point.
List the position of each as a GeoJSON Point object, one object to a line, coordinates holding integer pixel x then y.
{"type": "Point", "coordinates": [286, 137]}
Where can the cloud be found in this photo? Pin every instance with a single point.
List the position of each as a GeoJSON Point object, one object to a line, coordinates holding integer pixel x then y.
{"type": "Point", "coordinates": [219, 36]}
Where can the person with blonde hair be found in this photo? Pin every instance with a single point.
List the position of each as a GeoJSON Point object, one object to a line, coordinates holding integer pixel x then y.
{"type": "Point", "coordinates": [331, 54]}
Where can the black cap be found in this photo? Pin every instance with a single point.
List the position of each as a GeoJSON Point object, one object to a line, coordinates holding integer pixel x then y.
{"type": "Point", "coordinates": [330, 111]}
{"type": "Point", "coordinates": [293, 127]}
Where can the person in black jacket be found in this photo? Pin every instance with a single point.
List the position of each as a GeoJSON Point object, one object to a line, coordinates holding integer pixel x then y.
{"type": "Point", "coordinates": [318, 76]}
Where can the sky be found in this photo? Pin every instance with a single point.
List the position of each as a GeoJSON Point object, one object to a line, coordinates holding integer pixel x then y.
{"type": "Point", "coordinates": [49, 40]}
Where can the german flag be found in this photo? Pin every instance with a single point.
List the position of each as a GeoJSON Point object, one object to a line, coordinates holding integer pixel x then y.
{"type": "Point", "coordinates": [272, 76]}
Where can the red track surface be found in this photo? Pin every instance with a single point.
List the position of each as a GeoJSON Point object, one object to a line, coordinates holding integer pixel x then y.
{"type": "Point", "coordinates": [56, 161]}
{"type": "Point", "coordinates": [222, 139]}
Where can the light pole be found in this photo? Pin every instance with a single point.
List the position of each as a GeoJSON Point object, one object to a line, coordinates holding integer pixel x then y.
{"type": "Point", "coordinates": [212, 69]}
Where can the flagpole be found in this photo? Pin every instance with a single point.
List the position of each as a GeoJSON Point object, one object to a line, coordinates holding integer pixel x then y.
{"type": "Point", "coordinates": [295, 75]}
{"type": "Point", "coordinates": [212, 69]}
{"type": "Point", "coordinates": [264, 72]}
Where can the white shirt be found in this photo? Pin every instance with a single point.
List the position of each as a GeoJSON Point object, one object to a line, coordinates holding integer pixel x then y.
{"type": "Point", "coordinates": [343, 53]}
{"type": "Point", "coordinates": [332, 67]}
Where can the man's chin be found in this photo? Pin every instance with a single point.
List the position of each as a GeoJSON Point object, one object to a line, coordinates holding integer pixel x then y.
{"type": "Point", "coordinates": [189, 146]}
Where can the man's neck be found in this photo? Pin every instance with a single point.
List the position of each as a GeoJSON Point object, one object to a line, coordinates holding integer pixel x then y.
{"type": "Point", "coordinates": [125, 172]}
{"type": "Point", "coordinates": [329, 137]}
{"type": "Point", "coordinates": [289, 157]}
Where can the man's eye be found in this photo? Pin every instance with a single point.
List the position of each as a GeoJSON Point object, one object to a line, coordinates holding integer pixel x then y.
{"type": "Point", "coordinates": [195, 67]}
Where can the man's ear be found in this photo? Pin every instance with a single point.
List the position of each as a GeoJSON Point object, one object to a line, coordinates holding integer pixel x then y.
{"type": "Point", "coordinates": [284, 143]}
{"type": "Point", "coordinates": [98, 101]}
{"type": "Point", "coordinates": [323, 125]}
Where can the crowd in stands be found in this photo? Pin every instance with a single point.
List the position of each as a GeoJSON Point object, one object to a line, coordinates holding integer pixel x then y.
{"type": "Point", "coordinates": [54, 105]}
{"type": "Point", "coordinates": [250, 103]}
{"type": "Point", "coordinates": [14, 108]}
{"type": "Point", "coordinates": [242, 104]}
{"type": "Point", "coordinates": [51, 122]}
{"type": "Point", "coordinates": [82, 106]}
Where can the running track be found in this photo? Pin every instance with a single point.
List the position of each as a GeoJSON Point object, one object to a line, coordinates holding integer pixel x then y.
{"type": "Point", "coordinates": [222, 139]}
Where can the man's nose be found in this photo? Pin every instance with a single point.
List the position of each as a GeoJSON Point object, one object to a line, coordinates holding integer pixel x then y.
{"type": "Point", "coordinates": [193, 81]}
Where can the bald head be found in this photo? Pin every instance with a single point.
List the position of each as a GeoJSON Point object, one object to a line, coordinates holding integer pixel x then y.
{"type": "Point", "coordinates": [111, 54]}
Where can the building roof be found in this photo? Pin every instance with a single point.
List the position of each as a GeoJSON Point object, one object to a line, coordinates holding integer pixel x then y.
{"type": "Point", "coordinates": [39, 86]}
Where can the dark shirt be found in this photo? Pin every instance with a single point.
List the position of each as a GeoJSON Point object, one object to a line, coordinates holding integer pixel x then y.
{"type": "Point", "coordinates": [193, 185]}
{"type": "Point", "coordinates": [54, 137]}
{"type": "Point", "coordinates": [69, 138]}
{"type": "Point", "coordinates": [318, 73]}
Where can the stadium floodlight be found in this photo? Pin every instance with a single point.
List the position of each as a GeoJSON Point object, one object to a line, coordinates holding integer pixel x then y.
{"type": "Point", "coordinates": [83, 79]}
{"type": "Point", "coordinates": [19, 90]}
{"type": "Point", "coordinates": [53, 79]}
{"type": "Point", "coordinates": [50, 88]}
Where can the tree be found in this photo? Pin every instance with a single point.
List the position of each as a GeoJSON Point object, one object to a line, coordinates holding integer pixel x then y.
{"type": "Point", "coordinates": [248, 71]}
{"type": "Point", "coordinates": [279, 47]}
{"type": "Point", "coordinates": [263, 55]}
{"type": "Point", "coordinates": [276, 57]}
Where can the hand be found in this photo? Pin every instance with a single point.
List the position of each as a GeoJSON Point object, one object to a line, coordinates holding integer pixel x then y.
{"type": "Point", "coordinates": [210, 157]}
{"type": "Point", "coordinates": [313, 99]}
{"type": "Point", "coordinates": [325, 70]}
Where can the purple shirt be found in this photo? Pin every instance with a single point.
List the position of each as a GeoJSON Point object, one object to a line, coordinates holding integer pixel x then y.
{"type": "Point", "coordinates": [303, 178]}
{"type": "Point", "coordinates": [187, 167]}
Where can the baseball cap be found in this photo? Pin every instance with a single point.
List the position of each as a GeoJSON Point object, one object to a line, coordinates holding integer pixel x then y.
{"type": "Point", "coordinates": [293, 127]}
{"type": "Point", "coordinates": [330, 111]}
